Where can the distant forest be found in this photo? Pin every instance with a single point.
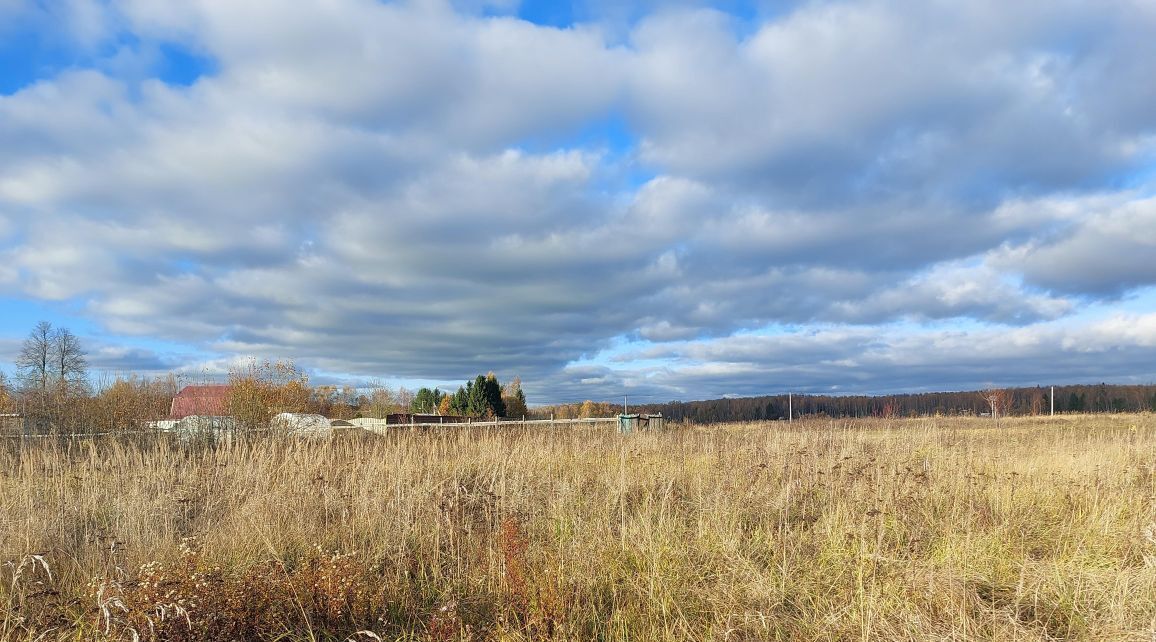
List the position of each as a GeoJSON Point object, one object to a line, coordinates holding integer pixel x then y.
{"type": "Point", "coordinates": [1019, 401]}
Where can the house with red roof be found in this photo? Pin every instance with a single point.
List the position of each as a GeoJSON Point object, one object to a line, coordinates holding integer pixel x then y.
{"type": "Point", "coordinates": [203, 401]}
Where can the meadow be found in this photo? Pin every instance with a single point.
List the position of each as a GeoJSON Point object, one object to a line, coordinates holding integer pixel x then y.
{"type": "Point", "coordinates": [906, 529]}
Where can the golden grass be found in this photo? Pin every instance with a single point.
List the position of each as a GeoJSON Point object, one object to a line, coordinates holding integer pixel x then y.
{"type": "Point", "coordinates": [929, 529]}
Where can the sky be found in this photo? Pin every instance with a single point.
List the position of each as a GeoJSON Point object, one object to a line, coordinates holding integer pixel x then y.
{"type": "Point", "coordinates": [672, 200]}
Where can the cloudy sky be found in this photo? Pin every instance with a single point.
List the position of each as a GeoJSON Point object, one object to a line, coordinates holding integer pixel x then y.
{"type": "Point", "coordinates": [677, 200]}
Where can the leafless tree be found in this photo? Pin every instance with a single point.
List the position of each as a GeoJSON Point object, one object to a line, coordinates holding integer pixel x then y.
{"type": "Point", "coordinates": [1000, 402]}
{"type": "Point", "coordinates": [70, 366]}
{"type": "Point", "coordinates": [403, 397]}
{"type": "Point", "coordinates": [51, 356]}
{"type": "Point", "coordinates": [380, 402]}
{"type": "Point", "coordinates": [34, 363]}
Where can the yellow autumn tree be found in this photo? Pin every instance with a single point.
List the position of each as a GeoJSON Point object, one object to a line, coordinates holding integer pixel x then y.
{"type": "Point", "coordinates": [7, 398]}
{"type": "Point", "coordinates": [515, 399]}
{"type": "Point", "coordinates": [129, 402]}
{"type": "Point", "coordinates": [258, 391]}
{"type": "Point", "coordinates": [379, 403]}
{"type": "Point", "coordinates": [344, 402]}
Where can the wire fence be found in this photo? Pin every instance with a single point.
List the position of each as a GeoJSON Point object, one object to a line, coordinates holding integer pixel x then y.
{"type": "Point", "coordinates": [382, 425]}
{"type": "Point", "coordinates": [379, 426]}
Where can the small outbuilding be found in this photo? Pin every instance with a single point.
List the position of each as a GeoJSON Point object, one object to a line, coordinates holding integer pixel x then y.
{"type": "Point", "coordinates": [366, 422]}
{"type": "Point", "coordinates": [631, 423]}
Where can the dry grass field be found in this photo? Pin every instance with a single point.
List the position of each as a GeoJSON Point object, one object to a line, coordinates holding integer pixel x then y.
{"type": "Point", "coordinates": [921, 529]}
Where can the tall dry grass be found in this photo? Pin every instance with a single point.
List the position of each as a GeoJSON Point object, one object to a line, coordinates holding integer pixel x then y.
{"type": "Point", "coordinates": [933, 529]}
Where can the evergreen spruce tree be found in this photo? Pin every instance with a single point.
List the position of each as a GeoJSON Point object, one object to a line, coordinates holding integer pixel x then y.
{"type": "Point", "coordinates": [493, 396]}
{"type": "Point", "coordinates": [461, 402]}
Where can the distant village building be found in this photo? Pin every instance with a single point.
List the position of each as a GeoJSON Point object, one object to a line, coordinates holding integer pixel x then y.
{"type": "Point", "coordinates": [199, 411]}
{"type": "Point", "coordinates": [201, 401]}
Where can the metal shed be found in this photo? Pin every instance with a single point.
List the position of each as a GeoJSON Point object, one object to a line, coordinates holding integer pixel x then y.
{"type": "Point", "coordinates": [631, 423]}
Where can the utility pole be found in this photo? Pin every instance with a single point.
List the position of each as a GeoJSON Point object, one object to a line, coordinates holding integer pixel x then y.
{"type": "Point", "coordinates": [790, 407]}
{"type": "Point", "coordinates": [1053, 401]}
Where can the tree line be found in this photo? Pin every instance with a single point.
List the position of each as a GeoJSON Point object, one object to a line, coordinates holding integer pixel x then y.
{"type": "Point", "coordinates": [578, 410]}
{"type": "Point", "coordinates": [1078, 398]}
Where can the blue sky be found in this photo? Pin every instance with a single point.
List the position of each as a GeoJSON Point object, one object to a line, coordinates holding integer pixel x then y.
{"type": "Point", "coordinates": [677, 200]}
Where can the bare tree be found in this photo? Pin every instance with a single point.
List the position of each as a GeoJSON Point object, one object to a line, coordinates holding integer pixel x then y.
{"type": "Point", "coordinates": [403, 397]}
{"type": "Point", "coordinates": [70, 366]}
{"type": "Point", "coordinates": [34, 363]}
{"type": "Point", "coordinates": [51, 356]}
{"type": "Point", "coordinates": [380, 403]}
{"type": "Point", "coordinates": [999, 400]}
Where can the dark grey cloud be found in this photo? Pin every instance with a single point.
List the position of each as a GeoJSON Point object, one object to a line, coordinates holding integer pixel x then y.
{"type": "Point", "coordinates": [120, 360]}
{"type": "Point", "coordinates": [875, 360]}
